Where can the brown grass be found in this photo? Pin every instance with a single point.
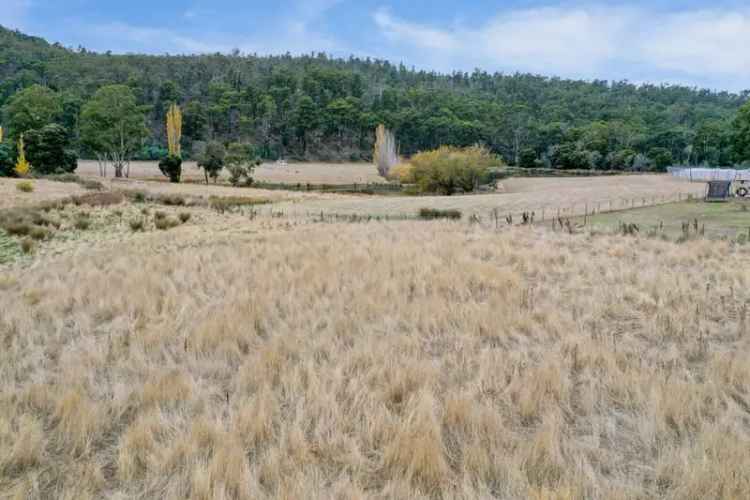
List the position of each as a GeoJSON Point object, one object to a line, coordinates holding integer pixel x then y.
{"type": "Point", "coordinates": [572, 195]}
{"type": "Point", "coordinates": [293, 173]}
{"type": "Point", "coordinates": [398, 360]}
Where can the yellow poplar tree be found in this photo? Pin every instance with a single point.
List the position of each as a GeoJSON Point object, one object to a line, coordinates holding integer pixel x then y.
{"type": "Point", "coordinates": [1, 134]}
{"type": "Point", "coordinates": [174, 130]}
{"type": "Point", "coordinates": [22, 166]}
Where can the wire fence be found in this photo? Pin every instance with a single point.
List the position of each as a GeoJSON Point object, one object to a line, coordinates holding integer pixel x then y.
{"type": "Point", "coordinates": [549, 213]}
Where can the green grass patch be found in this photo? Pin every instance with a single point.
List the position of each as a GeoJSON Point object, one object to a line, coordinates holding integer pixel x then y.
{"type": "Point", "coordinates": [720, 220]}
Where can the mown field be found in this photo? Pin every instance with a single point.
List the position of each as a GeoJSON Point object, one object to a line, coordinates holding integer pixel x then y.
{"type": "Point", "coordinates": [258, 352]}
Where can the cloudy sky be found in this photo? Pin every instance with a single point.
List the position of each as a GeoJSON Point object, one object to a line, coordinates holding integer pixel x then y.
{"type": "Point", "coordinates": [695, 42]}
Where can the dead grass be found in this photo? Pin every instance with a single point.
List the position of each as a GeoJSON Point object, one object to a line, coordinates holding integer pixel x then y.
{"type": "Point", "coordinates": [293, 173]}
{"type": "Point", "coordinates": [397, 360]}
{"type": "Point", "coordinates": [571, 195]}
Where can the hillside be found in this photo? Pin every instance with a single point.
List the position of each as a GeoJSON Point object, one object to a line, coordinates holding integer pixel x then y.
{"type": "Point", "coordinates": [315, 107]}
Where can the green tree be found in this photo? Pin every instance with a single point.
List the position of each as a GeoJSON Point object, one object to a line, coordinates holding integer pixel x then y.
{"type": "Point", "coordinates": [527, 158]}
{"type": "Point", "coordinates": [741, 136]}
{"type": "Point", "coordinates": [32, 108]}
{"type": "Point", "coordinates": [211, 159]}
{"type": "Point", "coordinates": [447, 169]}
{"type": "Point", "coordinates": [662, 158]}
{"type": "Point", "coordinates": [240, 161]}
{"type": "Point", "coordinates": [6, 160]}
{"type": "Point", "coordinates": [113, 126]}
{"type": "Point", "coordinates": [305, 119]}
{"type": "Point", "coordinates": [49, 151]}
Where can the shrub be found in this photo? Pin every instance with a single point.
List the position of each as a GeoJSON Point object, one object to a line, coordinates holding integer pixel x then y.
{"type": "Point", "coordinates": [91, 185]}
{"type": "Point", "coordinates": [171, 200]}
{"type": "Point", "coordinates": [28, 245]}
{"type": "Point", "coordinates": [48, 150]}
{"type": "Point", "coordinates": [138, 196]}
{"type": "Point", "coordinates": [184, 217]}
{"type": "Point", "coordinates": [39, 233]}
{"type": "Point", "coordinates": [434, 213]}
{"type": "Point", "coordinates": [158, 215]}
{"type": "Point", "coordinates": [448, 169]}
{"type": "Point", "coordinates": [171, 167]}
{"type": "Point", "coordinates": [137, 224]}
{"type": "Point", "coordinates": [83, 222]}
{"type": "Point", "coordinates": [25, 186]}
{"type": "Point", "coordinates": [18, 228]}
{"type": "Point", "coordinates": [166, 223]}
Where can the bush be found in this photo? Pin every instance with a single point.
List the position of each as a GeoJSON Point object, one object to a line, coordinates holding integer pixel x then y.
{"type": "Point", "coordinates": [434, 213]}
{"type": "Point", "coordinates": [39, 233]}
{"type": "Point", "coordinates": [48, 150]}
{"type": "Point", "coordinates": [137, 224]}
{"type": "Point", "coordinates": [160, 215]}
{"type": "Point", "coordinates": [166, 223]}
{"type": "Point", "coordinates": [138, 196]}
{"type": "Point", "coordinates": [448, 169]}
{"type": "Point", "coordinates": [171, 167]}
{"type": "Point", "coordinates": [527, 158]}
{"type": "Point", "coordinates": [28, 245]}
{"type": "Point", "coordinates": [25, 186]}
{"type": "Point", "coordinates": [83, 222]}
{"type": "Point", "coordinates": [171, 200]}
{"type": "Point", "coordinates": [184, 217]}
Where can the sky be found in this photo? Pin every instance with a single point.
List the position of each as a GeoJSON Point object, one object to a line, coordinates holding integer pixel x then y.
{"type": "Point", "coordinates": [698, 43]}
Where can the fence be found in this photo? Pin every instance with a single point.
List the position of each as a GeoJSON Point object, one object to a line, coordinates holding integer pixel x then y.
{"type": "Point", "coordinates": [709, 174]}
{"type": "Point", "coordinates": [548, 213]}
{"type": "Point", "coordinates": [364, 188]}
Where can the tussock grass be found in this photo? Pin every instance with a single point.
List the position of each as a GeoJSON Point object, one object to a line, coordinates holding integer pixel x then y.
{"type": "Point", "coordinates": [394, 360]}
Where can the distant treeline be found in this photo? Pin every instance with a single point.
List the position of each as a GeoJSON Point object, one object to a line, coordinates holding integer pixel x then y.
{"type": "Point", "coordinates": [315, 107]}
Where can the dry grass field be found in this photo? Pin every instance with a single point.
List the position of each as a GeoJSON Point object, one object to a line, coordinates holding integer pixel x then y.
{"type": "Point", "coordinates": [243, 356]}
{"type": "Point", "coordinates": [44, 190]}
{"type": "Point", "coordinates": [293, 173]}
{"type": "Point", "coordinates": [573, 195]}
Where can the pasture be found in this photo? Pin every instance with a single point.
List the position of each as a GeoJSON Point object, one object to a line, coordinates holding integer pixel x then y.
{"type": "Point", "coordinates": [261, 352]}
{"type": "Point", "coordinates": [292, 173]}
{"type": "Point", "coordinates": [716, 220]}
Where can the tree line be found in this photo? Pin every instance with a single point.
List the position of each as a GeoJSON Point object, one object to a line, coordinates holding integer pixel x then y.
{"type": "Point", "coordinates": [319, 108]}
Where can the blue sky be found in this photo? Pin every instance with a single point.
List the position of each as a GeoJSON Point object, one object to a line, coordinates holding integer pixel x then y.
{"type": "Point", "coordinates": [699, 43]}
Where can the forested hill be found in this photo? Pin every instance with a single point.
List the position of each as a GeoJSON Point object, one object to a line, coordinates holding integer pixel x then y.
{"type": "Point", "coordinates": [321, 108]}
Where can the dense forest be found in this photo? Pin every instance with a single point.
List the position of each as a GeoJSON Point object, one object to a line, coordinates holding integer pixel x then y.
{"type": "Point", "coordinates": [316, 107]}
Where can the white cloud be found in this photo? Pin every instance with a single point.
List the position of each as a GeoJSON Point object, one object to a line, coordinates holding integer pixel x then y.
{"type": "Point", "coordinates": [589, 42]}
{"type": "Point", "coordinates": [13, 13]}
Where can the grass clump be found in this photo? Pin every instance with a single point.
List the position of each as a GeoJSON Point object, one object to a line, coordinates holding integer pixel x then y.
{"type": "Point", "coordinates": [184, 217]}
{"type": "Point", "coordinates": [166, 223]}
{"type": "Point", "coordinates": [82, 222]}
{"type": "Point", "coordinates": [39, 233]}
{"type": "Point", "coordinates": [137, 224]}
{"type": "Point", "coordinates": [25, 186]}
{"type": "Point", "coordinates": [103, 199]}
{"type": "Point", "coordinates": [28, 245]}
{"type": "Point", "coordinates": [435, 213]}
{"type": "Point", "coordinates": [171, 200]}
